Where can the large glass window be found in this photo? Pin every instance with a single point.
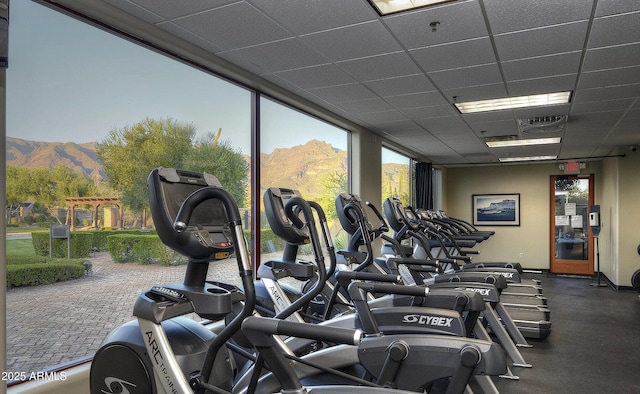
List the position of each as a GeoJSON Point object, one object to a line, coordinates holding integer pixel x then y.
{"type": "Point", "coordinates": [89, 115]}
{"type": "Point", "coordinates": [302, 153]}
{"type": "Point", "coordinates": [396, 176]}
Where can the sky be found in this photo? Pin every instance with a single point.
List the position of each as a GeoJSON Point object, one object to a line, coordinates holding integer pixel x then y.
{"type": "Point", "coordinates": [71, 82]}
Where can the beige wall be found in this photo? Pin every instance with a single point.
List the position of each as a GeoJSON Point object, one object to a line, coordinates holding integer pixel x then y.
{"type": "Point", "coordinates": [617, 191]}
{"type": "Point", "coordinates": [529, 242]}
{"type": "Point", "coordinates": [628, 220]}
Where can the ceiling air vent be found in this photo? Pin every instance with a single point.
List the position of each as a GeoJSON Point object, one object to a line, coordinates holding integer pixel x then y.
{"type": "Point", "coordinates": [542, 124]}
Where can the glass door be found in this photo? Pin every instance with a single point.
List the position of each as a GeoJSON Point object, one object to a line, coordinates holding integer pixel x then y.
{"type": "Point", "coordinates": [571, 237]}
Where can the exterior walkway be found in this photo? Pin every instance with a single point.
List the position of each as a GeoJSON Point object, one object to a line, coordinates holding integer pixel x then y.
{"type": "Point", "coordinates": [63, 322]}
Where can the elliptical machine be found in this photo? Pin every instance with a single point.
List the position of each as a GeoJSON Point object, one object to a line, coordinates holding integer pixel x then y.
{"type": "Point", "coordinates": [165, 352]}
{"type": "Point", "coordinates": [162, 350]}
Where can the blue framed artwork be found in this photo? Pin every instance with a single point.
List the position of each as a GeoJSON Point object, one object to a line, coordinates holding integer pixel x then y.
{"type": "Point", "coordinates": [496, 209]}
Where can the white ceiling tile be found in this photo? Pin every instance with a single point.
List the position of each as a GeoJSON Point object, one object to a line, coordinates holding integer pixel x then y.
{"type": "Point", "coordinates": [610, 77]}
{"type": "Point", "coordinates": [430, 112]}
{"type": "Point", "coordinates": [469, 76]}
{"type": "Point", "coordinates": [513, 15]}
{"type": "Point", "coordinates": [316, 76]}
{"type": "Point", "coordinates": [350, 92]}
{"type": "Point", "coordinates": [626, 55]}
{"type": "Point", "coordinates": [379, 67]}
{"type": "Point", "coordinates": [276, 56]}
{"type": "Point", "coordinates": [459, 20]}
{"type": "Point", "coordinates": [615, 30]}
{"type": "Point", "coordinates": [447, 56]}
{"type": "Point", "coordinates": [333, 51]}
{"type": "Point", "coordinates": [616, 7]}
{"type": "Point", "coordinates": [169, 9]}
{"type": "Point", "coordinates": [401, 85]}
{"type": "Point", "coordinates": [303, 17]}
{"type": "Point", "coordinates": [541, 41]}
{"type": "Point", "coordinates": [544, 66]}
{"type": "Point", "coordinates": [601, 106]}
{"type": "Point", "coordinates": [229, 26]}
{"type": "Point", "coordinates": [351, 42]}
{"type": "Point", "coordinates": [365, 106]}
{"type": "Point", "coordinates": [473, 93]}
{"type": "Point", "coordinates": [561, 83]}
{"type": "Point", "coordinates": [413, 100]}
{"type": "Point", "coordinates": [607, 93]}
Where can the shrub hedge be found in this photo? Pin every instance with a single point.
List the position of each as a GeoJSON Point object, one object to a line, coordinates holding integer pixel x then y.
{"type": "Point", "coordinates": [81, 244]}
{"type": "Point", "coordinates": [38, 270]}
{"type": "Point", "coordinates": [143, 249]}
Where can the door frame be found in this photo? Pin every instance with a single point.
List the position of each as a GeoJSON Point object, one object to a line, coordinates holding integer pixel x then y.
{"type": "Point", "coordinates": [564, 266]}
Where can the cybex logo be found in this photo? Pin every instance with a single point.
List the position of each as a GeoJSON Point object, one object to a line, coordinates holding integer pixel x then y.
{"type": "Point", "coordinates": [483, 292]}
{"type": "Point", "coordinates": [508, 275]}
{"type": "Point", "coordinates": [427, 320]}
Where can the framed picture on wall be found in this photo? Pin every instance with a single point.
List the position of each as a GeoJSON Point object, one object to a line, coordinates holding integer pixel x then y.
{"type": "Point", "coordinates": [496, 209]}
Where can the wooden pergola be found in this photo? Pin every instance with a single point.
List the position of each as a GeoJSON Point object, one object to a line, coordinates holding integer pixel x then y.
{"type": "Point", "coordinates": [95, 202]}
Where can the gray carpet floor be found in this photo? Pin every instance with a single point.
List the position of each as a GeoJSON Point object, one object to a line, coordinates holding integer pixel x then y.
{"type": "Point", "coordinates": [594, 344]}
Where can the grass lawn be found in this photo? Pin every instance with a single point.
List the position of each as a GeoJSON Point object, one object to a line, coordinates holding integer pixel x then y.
{"type": "Point", "coordinates": [22, 247]}
{"type": "Point", "coordinates": [11, 230]}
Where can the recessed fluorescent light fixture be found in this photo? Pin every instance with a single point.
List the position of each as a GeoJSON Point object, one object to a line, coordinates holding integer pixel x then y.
{"type": "Point", "coordinates": [526, 158]}
{"type": "Point", "coordinates": [385, 7]}
{"type": "Point", "coordinates": [536, 100]}
{"type": "Point", "coordinates": [531, 141]}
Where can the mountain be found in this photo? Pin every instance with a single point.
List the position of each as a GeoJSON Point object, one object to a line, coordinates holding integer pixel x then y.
{"type": "Point", "coordinates": [81, 158]}
{"type": "Point", "coordinates": [302, 167]}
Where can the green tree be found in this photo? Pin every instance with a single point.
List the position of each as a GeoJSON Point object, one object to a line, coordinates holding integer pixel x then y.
{"type": "Point", "coordinates": [46, 187]}
{"type": "Point", "coordinates": [129, 154]}
{"type": "Point", "coordinates": [333, 184]}
{"type": "Point", "coordinates": [220, 159]}
{"type": "Point", "coordinates": [17, 189]}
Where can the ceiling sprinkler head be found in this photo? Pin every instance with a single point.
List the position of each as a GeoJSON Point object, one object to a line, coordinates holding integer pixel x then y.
{"type": "Point", "coordinates": [434, 26]}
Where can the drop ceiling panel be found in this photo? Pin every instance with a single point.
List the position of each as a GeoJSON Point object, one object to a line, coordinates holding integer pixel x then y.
{"type": "Point", "coordinates": [379, 67]}
{"type": "Point", "coordinates": [447, 56]}
{"type": "Point", "coordinates": [560, 83]}
{"type": "Point", "coordinates": [460, 20]}
{"type": "Point", "coordinates": [626, 55]}
{"type": "Point", "coordinates": [316, 76]}
{"type": "Point", "coordinates": [469, 76]}
{"type": "Point", "coordinates": [472, 93]}
{"type": "Point", "coordinates": [365, 106]}
{"type": "Point", "coordinates": [416, 83]}
{"type": "Point", "coordinates": [512, 15]}
{"type": "Point", "coordinates": [303, 17]}
{"type": "Point", "coordinates": [445, 125]}
{"type": "Point", "coordinates": [616, 76]}
{"type": "Point", "coordinates": [615, 30]}
{"type": "Point", "coordinates": [495, 128]}
{"type": "Point", "coordinates": [380, 117]}
{"type": "Point", "coordinates": [167, 9]}
{"type": "Point", "coordinates": [544, 66]}
{"type": "Point", "coordinates": [607, 93]}
{"type": "Point", "coordinates": [430, 112]}
{"type": "Point", "coordinates": [275, 56]}
{"type": "Point", "coordinates": [616, 7]}
{"type": "Point", "coordinates": [425, 99]}
{"type": "Point", "coordinates": [227, 25]}
{"type": "Point", "coordinates": [400, 128]}
{"type": "Point", "coordinates": [541, 41]}
{"type": "Point", "coordinates": [352, 42]}
{"type": "Point", "coordinates": [337, 94]}
{"type": "Point", "coordinates": [602, 106]}
{"type": "Point", "coordinates": [394, 75]}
